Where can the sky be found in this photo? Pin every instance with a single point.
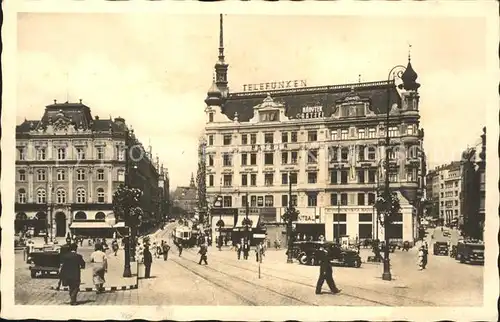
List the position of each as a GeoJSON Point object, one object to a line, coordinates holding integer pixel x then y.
{"type": "Point", "coordinates": [154, 69]}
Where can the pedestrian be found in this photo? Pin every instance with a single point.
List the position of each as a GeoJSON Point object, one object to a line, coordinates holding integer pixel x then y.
{"type": "Point", "coordinates": [238, 250]}
{"type": "Point", "coordinates": [203, 254]}
{"type": "Point", "coordinates": [45, 239]}
{"type": "Point", "coordinates": [165, 250]}
{"type": "Point", "coordinates": [179, 246]}
{"type": "Point", "coordinates": [62, 251]}
{"type": "Point", "coordinates": [100, 267]}
{"type": "Point", "coordinates": [148, 260]}
{"type": "Point", "coordinates": [114, 246]}
{"type": "Point", "coordinates": [72, 263]}
{"type": "Point", "coordinates": [258, 252]}
{"type": "Point", "coordinates": [325, 273]}
{"type": "Point", "coordinates": [426, 254]}
{"type": "Point", "coordinates": [421, 255]}
{"type": "Point", "coordinates": [159, 249]}
{"type": "Point", "coordinates": [246, 249]}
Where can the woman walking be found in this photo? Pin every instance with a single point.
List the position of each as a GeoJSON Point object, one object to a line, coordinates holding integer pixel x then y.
{"type": "Point", "coordinates": [98, 257]}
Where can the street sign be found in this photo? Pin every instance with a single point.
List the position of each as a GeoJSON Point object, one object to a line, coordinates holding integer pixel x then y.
{"type": "Point", "coordinates": [251, 211]}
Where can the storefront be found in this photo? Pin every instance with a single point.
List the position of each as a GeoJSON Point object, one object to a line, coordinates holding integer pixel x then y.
{"type": "Point", "coordinates": [36, 226]}
{"type": "Point", "coordinates": [223, 221]}
{"type": "Point", "coordinates": [255, 233]}
{"type": "Point", "coordinates": [309, 225]}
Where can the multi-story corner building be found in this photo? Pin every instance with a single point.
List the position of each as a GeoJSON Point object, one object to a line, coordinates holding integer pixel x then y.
{"type": "Point", "coordinates": [445, 192]}
{"type": "Point", "coordinates": [473, 165]}
{"type": "Point", "coordinates": [432, 193]}
{"type": "Point", "coordinates": [327, 140]}
{"type": "Point", "coordinates": [68, 166]}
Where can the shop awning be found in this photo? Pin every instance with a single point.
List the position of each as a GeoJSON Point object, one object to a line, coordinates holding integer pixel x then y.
{"type": "Point", "coordinates": [227, 219]}
{"type": "Point", "coordinates": [92, 224]}
{"type": "Point", "coordinates": [253, 218]}
{"type": "Point", "coordinates": [121, 224]}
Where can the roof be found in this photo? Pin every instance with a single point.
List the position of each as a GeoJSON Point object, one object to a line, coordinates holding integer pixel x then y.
{"type": "Point", "coordinates": [185, 193]}
{"type": "Point", "coordinates": [76, 114]}
{"type": "Point", "coordinates": [326, 96]}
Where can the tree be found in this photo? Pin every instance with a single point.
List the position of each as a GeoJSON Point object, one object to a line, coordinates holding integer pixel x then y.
{"type": "Point", "coordinates": [387, 206]}
{"type": "Point", "coordinates": [126, 205]}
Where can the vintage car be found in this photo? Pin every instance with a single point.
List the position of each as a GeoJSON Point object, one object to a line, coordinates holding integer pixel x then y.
{"type": "Point", "coordinates": [470, 251]}
{"type": "Point", "coordinates": [440, 248]}
{"type": "Point", "coordinates": [45, 263]}
{"type": "Point", "coordinates": [306, 252]}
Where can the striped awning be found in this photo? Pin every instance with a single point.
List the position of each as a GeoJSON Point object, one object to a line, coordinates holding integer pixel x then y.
{"type": "Point", "coordinates": [90, 224]}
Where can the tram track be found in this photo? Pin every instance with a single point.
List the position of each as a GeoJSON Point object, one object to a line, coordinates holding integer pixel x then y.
{"type": "Point", "coordinates": [239, 296]}
{"type": "Point", "coordinates": [240, 279]}
{"type": "Point", "coordinates": [344, 294]}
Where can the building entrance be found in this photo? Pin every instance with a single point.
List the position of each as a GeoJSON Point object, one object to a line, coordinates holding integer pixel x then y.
{"type": "Point", "coordinates": [60, 224]}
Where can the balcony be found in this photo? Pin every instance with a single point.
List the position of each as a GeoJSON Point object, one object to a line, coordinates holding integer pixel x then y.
{"type": "Point", "coordinates": [410, 138]}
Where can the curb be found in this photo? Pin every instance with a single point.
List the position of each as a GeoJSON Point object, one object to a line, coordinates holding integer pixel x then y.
{"type": "Point", "coordinates": [106, 289]}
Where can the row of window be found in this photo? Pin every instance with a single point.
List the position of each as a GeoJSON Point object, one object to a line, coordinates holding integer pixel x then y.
{"type": "Point", "coordinates": [363, 199]}
{"type": "Point", "coordinates": [291, 157]}
{"type": "Point", "coordinates": [449, 203]}
{"type": "Point", "coordinates": [312, 136]}
{"type": "Point", "coordinates": [312, 177]}
{"type": "Point", "coordinates": [60, 196]}
{"type": "Point", "coordinates": [449, 194]}
{"type": "Point", "coordinates": [62, 153]}
{"type": "Point", "coordinates": [449, 185]}
{"type": "Point", "coordinates": [61, 175]}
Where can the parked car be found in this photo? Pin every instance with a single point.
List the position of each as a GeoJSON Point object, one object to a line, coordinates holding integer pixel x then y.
{"type": "Point", "coordinates": [470, 251]}
{"type": "Point", "coordinates": [45, 263]}
{"type": "Point", "coordinates": [306, 252]}
{"type": "Point", "coordinates": [441, 248]}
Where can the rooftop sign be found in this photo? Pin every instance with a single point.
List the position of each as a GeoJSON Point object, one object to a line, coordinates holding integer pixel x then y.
{"type": "Point", "coordinates": [274, 85]}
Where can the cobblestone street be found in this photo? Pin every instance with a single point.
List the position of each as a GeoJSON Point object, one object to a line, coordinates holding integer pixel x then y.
{"type": "Point", "coordinates": [227, 281]}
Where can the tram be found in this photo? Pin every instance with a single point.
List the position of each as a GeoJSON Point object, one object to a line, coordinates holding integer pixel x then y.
{"type": "Point", "coordinates": [184, 236]}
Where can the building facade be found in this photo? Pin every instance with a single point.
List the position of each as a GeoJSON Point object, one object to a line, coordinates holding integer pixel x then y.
{"type": "Point", "coordinates": [186, 198]}
{"type": "Point", "coordinates": [473, 196]}
{"type": "Point", "coordinates": [327, 140]}
{"type": "Point", "coordinates": [68, 166]}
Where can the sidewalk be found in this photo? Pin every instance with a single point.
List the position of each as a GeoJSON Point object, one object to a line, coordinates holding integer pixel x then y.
{"type": "Point", "coordinates": [114, 277]}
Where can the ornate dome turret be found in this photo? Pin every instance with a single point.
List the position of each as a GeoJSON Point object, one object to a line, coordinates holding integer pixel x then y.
{"type": "Point", "coordinates": [409, 78]}
{"type": "Point", "coordinates": [214, 95]}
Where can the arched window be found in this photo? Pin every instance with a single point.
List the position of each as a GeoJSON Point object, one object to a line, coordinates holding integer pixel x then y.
{"type": "Point", "coordinates": [21, 216]}
{"type": "Point", "coordinates": [100, 216]}
{"type": "Point", "coordinates": [80, 174]}
{"type": "Point", "coordinates": [61, 196]}
{"type": "Point", "coordinates": [81, 195]}
{"type": "Point", "coordinates": [41, 196]}
{"type": "Point", "coordinates": [21, 195]}
{"type": "Point", "coordinates": [80, 216]}
{"type": "Point", "coordinates": [100, 195]}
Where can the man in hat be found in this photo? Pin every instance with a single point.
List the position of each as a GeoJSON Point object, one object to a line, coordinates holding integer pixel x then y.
{"type": "Point", "coordinates": [71, 264]}
{"type": "Point", "coordinates": [325, 272]}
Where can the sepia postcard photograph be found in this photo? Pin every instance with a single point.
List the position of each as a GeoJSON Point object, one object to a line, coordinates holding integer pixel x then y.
{"type": "Point", "coordinates": [184, 161]}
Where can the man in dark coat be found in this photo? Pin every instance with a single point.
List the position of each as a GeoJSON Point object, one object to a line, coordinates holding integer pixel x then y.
{"type": "Point", "coordinates": [203, 254]}
{"type": "Point", "coordinates": [71, 264]}
{"type": "Point", "coordinates": [64, 250]}
{"type": "Point", "coordinates": [148, 260]}
{"type": "Point", "coordinates": [246, 249]}
{"type": "Point", "coordinates": [165, 250]}
{"type": "Point", "coordinates": [325, 273]}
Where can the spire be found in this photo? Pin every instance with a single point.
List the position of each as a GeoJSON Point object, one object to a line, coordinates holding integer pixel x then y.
{"type": "Point", "coordinates": [192, 184]}
{"type": "Point", "coordinates": [221, 39]}
{"type": "Point", "coordinates": [221, 66]}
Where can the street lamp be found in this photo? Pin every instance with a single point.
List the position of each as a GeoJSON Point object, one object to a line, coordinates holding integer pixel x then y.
{"type": "Point", "coordinates": [247, 222]}
{"type": "Point", "coordinates": [289, 217]}
{"type": "Point", "coordinates": [396, 71]}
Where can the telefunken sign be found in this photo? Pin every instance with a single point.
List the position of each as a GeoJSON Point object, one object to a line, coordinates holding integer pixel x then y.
{"type": "Point", "coordinates": [274, 85]}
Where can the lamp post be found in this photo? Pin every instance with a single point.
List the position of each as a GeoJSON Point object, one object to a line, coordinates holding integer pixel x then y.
{"type": "Point", "coordinates": [126, 270]}
{"type": "Point", "coordinates": [289, 217]}
{"type": "Point", "coordinates": [387, 192]}
{"type": "Point", "coordinates": [246, 221]}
